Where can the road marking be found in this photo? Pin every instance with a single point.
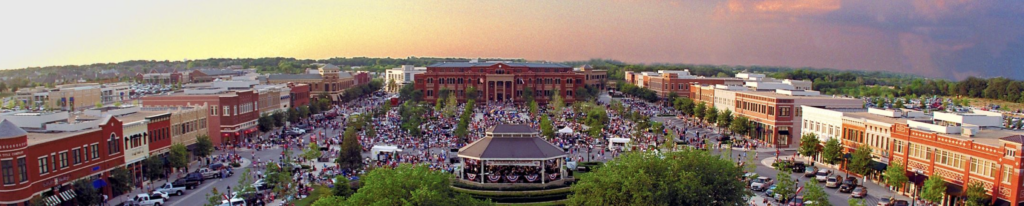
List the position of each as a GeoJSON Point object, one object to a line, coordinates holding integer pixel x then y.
{"type": "Point", "coordinates": [194, 189]}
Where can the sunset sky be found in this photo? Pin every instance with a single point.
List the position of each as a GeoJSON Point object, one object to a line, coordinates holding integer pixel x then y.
{"type": "Point", "coordinates": [933, 38]}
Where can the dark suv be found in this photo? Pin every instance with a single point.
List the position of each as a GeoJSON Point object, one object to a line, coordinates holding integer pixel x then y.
{"type": "Point", "coordinates": [848, 185]}
{"type": "Point", "coordinates": [190, 181]}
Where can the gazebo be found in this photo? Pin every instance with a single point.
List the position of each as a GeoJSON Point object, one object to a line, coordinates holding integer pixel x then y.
{"type": "Point", "coordinates": [511, 154]}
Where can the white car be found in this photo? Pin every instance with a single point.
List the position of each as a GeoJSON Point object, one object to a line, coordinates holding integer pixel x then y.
{"type": "Point", "coordinates": [832, 182]}
{"type": "Point", "coordinates": [160, 194]}
{"type": "Point", "coordinates": [145, 200]}
{"type": "Point", "coordinates": [822, 175]}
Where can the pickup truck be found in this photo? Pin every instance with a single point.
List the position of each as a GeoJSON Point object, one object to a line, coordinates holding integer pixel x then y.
{"type": "Point", "coordinates": [208, 173]}
{"type": "Point", "coordinates": [761, 183]}
{"type": "Point", "coordinates": [190, 181]}
{"type": "Point", "coordinates": [169, 188]}
{"type": "Point", "coordinates": [145, 200]}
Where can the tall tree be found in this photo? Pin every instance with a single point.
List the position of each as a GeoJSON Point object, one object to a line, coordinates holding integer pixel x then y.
{"type": "Point", "coordinates": [724, 118]}
{"type": "Point", "coordinates": [895, 175]}
{"type": "Point", "coordinates": [312, 152]}
{"type": "Point", "coordinates": [153, 168]}
{"type": "Point", "coordinates": [557, 103]}
{"type": "Point", "coordinates": [815, 193]}
{"type": "Point", "coordinates": [710, 114]}
{"type": "Point", "coordinates": [471, 93]}
{"type": "Point", "coordinates": [213, 198]}
{"type": "Point", "coordinates": [350, 156]}
{"type": "Point", "coordinates": [85, 193]}
{"type": "Point", "coordinates": [934, 189]}
{"type": "Point", "coordinates": [740, 125]}
{"type": "Point", "coordinates": [546, 127]}
{"type": "Point", "coordinates": [280, 118]}
{"type": "Point", "coordinates": [809, 145]}
{"type": "Point", "coordinates": [245, 182]}
{"type": "Point", "coordinates": [860, 161]}
{"type": "Point", "coordinates": [698, 111]}
{"type": "Point", "coordinates": [204, 146]}
{"type": "Point", "coordinates": [121, 181]}
{"type": "Point", "coordinates": [684, 105]}
{"type": "Point", "coordinates": [451, 106]}
{"type": "Point", "coordinates": [785, 185]}
{"type": "Point", "coordinates": [341, 186]}
{"type": "Point", "coordinates": [976, 194]}
{"type": "Point", "coordinates": [528, 94]}
{"type": "Point", "coordinates": [832, 152]}
{"type": "Point", "coordinates": [647, 178]}
{"type": "Point", "coordinates": [178, 156]}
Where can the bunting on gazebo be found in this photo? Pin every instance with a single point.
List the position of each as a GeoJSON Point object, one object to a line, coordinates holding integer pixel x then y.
{"type": "Point", "coordinates": [553, 176]}
{"type": "Point", "coordinates": [471, 176]}
{"type": "Point", "coordinates": [531, 178]}
{"type": "Point", "coordinates": [512, 178]}
{"type": "Point", "coordinates": [493, 178]}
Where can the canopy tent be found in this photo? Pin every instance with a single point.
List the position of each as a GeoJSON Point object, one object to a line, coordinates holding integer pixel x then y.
{"type": "Point", "coordinates": [565, 130]}
{"type": "Point", "coordinates": [614, 143]}
{"type": "Point", "coordinates": [377, 149]}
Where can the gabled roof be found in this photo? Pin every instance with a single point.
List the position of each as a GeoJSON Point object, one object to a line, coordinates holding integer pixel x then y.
{"type": "Point", "coordinates": [9, 130]}
{"type": "Point", "coordinates": [509, 128]}
{"type": "Point", "coordinates": [1019, 139]}
{"type": "Point", "coordinates": [488, 64]}
{"type": "Point", "coordinates": [530, 147]}
{"type": "Point", "coordinates": [218, 72]}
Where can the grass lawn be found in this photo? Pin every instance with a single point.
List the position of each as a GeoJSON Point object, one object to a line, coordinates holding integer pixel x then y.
{"type": "Point", "coordinates": [6, 94]}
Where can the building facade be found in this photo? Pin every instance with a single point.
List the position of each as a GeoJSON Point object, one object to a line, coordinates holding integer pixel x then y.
{"type": "Point", "coordinates": [776, 116]}
{"type": "Point", "coordinates": [327, 79]}
{"type": "Point", "coordinates": [505, 82]}
{"type": "Point", "coordinates": [666, 82]}
{"type": "Point", "coordinates": [401, 76]}
{"type": "Point", "coordinates": [231, 117]}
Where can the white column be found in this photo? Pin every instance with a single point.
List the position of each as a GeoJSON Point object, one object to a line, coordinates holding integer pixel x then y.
{"type": "Point", "coordinates": [543, 175]}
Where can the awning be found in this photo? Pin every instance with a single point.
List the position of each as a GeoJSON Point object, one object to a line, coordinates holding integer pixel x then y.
{"type": "Point", "coordinates": [99, 183]}
{"type": "Point", "coordinates": [67, 195]}
{"type": "Point", "coordinates": [878, 166]}
{"type": "Point", "coordinates": [847, 156]}
{"type": "Point", "coordinates": [190, 147]}
{"type": "Point", "coordinates": [954, 189]}
{"type": "Point", "coordinates": [51, 200]}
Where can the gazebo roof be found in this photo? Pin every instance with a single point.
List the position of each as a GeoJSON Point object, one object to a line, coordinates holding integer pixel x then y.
{"type": "Point", "coordinates": [511, 148]}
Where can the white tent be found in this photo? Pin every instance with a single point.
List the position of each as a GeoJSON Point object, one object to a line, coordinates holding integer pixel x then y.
{"type": "Point", "coordinates": [565, 130]}
{"type": "Point", "coordinates": [616, 143]}
{"type": "Point", "coordinates": [377, 149]}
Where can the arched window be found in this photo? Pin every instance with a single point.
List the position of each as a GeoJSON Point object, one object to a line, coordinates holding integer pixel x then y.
{"type": "Point", "coordinates": [112, 146]}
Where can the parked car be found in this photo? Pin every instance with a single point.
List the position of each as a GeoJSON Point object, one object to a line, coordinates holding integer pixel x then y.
{"type": "Point", "coordinates": [761, 183]}
{"type": "Point", "coordinates": [798, 167]}
{"type": "Point", "coordinates": [221, 166]}
{"type": "Point", "coordinates": [170, 188]}
{"type": "Point", "coordinates": [822, 175]}
{"type": "Point", "coordinates": [845, 188]}
{"type": "Point", "coordinates": [146, 200]}
{"type": "Point", "coordinates": [233, 202]}
{"type": "Point", "coordinates": [860, 192]}
{"type": "Point", "coordinates": [901, 203]}
{"type": "Point", "coordinates": [252, 198]}
{"type": "Point", "coordinates": [797, 201]}
{"type": "Point", "coordinates": [884, 201]}
{"type": "Point", "coordinates": [832, 182]}
{"type": "Point", "coordinates": [261, 185]}
{"type": "Point", "coordinates": [770, 192]}
{"type": "Point", "coordinates": [208, 173]}
{"type": "Point", "coordinates": [810, 171]}
{"type": "Point", "coordinates": [161, 195]}
{"type": "Point", "coordinates": [190, 181]}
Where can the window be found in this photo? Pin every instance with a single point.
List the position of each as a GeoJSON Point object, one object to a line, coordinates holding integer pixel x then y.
{"type": "Point", "coordinates": [95, 149]}
{"type": "Point", "coordinates": [22, 169]}
{"type": "Point", "coordinates": [76, 156]}
{"type": "Point", "coordinates": [1011, 153]}
{"type": "Point", "coordinates": [898, 146]}
{"type": "Point", "coordinates": [227, 111]}
{"type": "Point", "coordinates": [1006, 174]}
{"type": "Point", "coordinates": [43, 162]}
{"type": "Point", "coordinates": [784, 111]}
{"type": "Point", "coordinates": [8, 171]}
{"type": "Point", "coordinates": [63, 159]}
{"type": "Point", "coordinates": [983, 167]}
{"type": "Point", "coordinates": [949, 158]}
{"type": "Point", "coordinates": [112, 145]}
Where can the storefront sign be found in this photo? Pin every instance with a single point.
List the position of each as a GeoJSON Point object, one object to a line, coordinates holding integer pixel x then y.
{"type": "Point", "coordinates": [12, 154]}
{"type": "Point", "coordinates": [513, 163]}
{"type": "Point", "coordinates": [56, 181]}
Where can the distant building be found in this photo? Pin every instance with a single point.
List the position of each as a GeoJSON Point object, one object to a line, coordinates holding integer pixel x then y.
{"type": "Point", "coordinates": [501, 81]}
{"type": "Point", "coordinates": [401, 76]}
{"type": "Point", "coordinates": [327, 79]}
{"type": "Point", "coordinates": [667, 82]}
{"type": "Point", "coordinates": [232, 115]}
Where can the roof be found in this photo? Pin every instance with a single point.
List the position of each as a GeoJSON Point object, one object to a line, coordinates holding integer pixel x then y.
{"type": "Point", "coordinates": [1019, 139]}
{"type": "Point", "coordinates": [488, 64]}
{"type": "Point", "coordinates": [876, 117]}
{"type": "Point", "coordinates": [987, 136]}
{"type": "Point", "coordinates": [511, 148]}
{"type": "Point", "coordinates": [342, 75]}
{"type": "Point", "coordinates": [509, 128]}
{"type": "Point", "coordinates": [9, 130]}
{"type": "Point", "coordinates": [38, 138]}
{"type": "Point", "coordinates": [773, 94]}
{"type": "Point", "coordinates": [293, 76]}
{"type": "Point", "coordinates": [217, 72]}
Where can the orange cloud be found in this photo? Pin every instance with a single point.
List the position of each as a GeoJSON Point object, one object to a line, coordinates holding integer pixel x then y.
{"type": "Point", "coordinates": [776, 8]}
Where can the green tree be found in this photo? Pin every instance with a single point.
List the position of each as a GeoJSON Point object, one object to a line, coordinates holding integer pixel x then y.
{"type": "Point", "coordinates": [860, 161]}
{"type": "Point", "coordinates": [213, 198]}
{"type": "Point", "coordinates": [934, 189]}
{"type": "Point", "coordinates": [832, 152]}
{"type": "Point", "coordinates": [899, 104]}
{"type": "Point", "coordinates": [740, 125]}
{"type": "Point", "coordinates": [244, 183]}
{"type": "Point", "coordinates": [529, 94]}
{"type": "Point", "coordinates": [350, 156]}
{"type": "Point", "coordinates": [471, 93]}
{"type": "Point", "coordinates": [452, 105]}
{"type": "Point", "coordinates": [312, 152]}
{"type": "Point", "coordinates": [557, 103]}
{"type": "Point", "coordinates": [976, 194]}
{"type": "Point", "coordinates": [99, 105]}
{"type": "Point", "coordinates": [279, 118]}
{"type": "Point", "coordinates": [698, 111]}
{"type": "Point", "coordinates": [3, 87]}
{"type": "Point", "coordinates": [809, 145]}
{"type": "Point", "coordinates": [815, 193]}
{"type": "Point", "coordinates": [724, 118]}
{"type": "Point", "coordinates": [648, 178]}
{"type": "Point", "coordinates": [85, 194]}
{"type": "Point", "coordinates": [153, 168]}
{"type": "Point", "coordinates": [204, 146]}
{"type": "Point", "coordinates": [121, 181]}
{"type": "Point", "coordinates": [856, 202]}
{"type": "Point", "coordinates": [785, 186]}
{"type": "Point", "coordinates": [895, 175]}
{"type": "Point", "coordinates": [409, 185]}
{"type": "Point", "coordinates": [341, 187]}
{"type": "Point", "coordinates": [439, 104]}
{"type": "Point", "coordinates": [546, 127]}
{"type": "Point", "coordinates": [265, 123]}
{"type": "Point", "coordinates": [710, 114]}
{"type": "Point", "coordinates": [178, 156]}
{"type": "Point", "coordinates": [534, 109]}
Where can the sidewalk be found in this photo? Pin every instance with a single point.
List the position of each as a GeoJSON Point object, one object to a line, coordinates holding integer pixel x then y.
{"type": "Point", "coordinates": [874, 188]}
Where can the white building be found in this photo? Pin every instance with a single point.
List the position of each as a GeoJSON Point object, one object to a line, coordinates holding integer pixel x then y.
{"type": "Point", "coordinates": [401, 76]}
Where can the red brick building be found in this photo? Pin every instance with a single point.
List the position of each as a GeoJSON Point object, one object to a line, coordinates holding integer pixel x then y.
{"type": "Point", "coordinates": [666, 82]}
{"type": "Point", "coordinates": [159, 134]}
{"type": "Point", "coordinates": [299, 94]}
{"type": "Point", "coordinates": [501, 81]}
{"type": "Point", "coordinates": [232, 115]}
{"type": "Point", "coordinates": [47, 164]}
